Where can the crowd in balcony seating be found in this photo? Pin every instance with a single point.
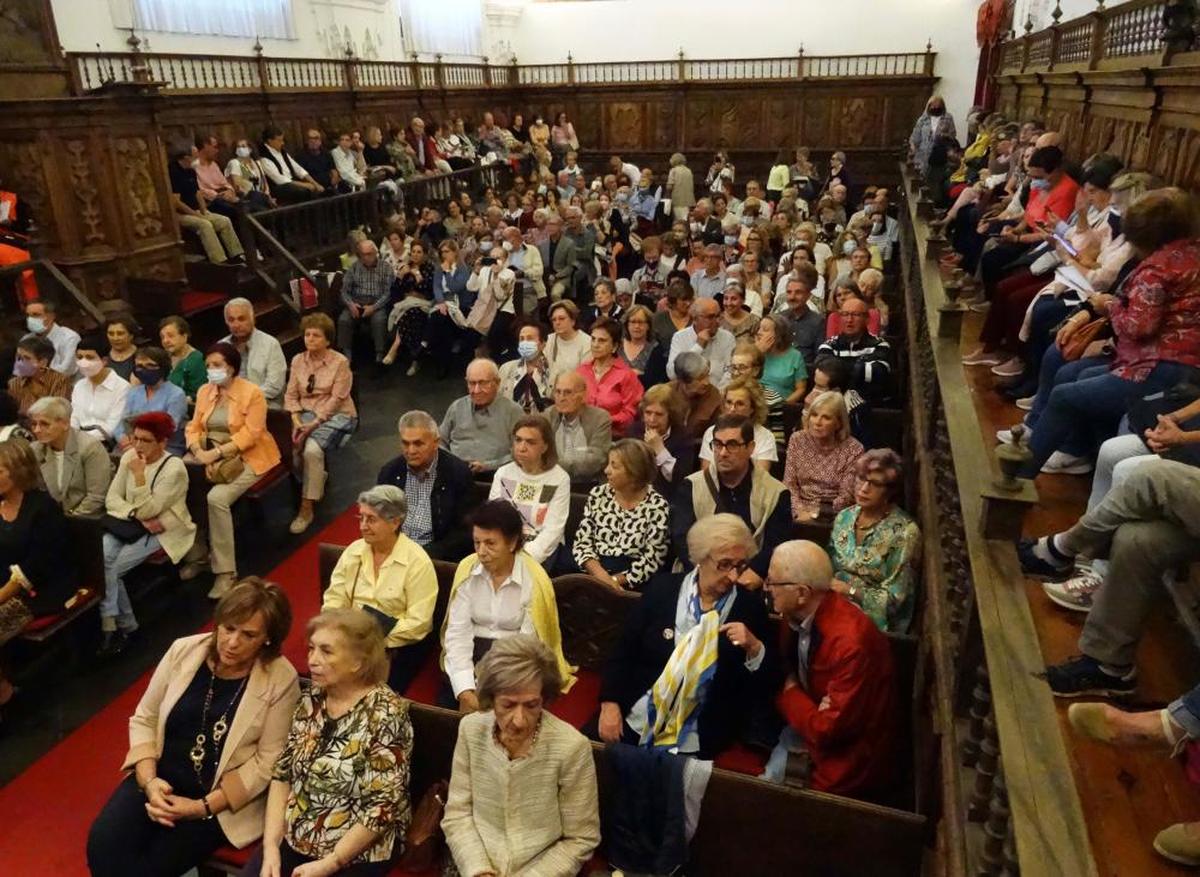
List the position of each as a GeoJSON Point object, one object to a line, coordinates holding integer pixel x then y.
{"type": "Point", "coordinates": [1089, 275]}
{"type": "Point", "coordinates": [668, 390]}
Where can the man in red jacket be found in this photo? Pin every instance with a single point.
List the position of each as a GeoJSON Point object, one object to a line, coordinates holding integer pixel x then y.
{"type": "Point", "coordinates": [839, 697]}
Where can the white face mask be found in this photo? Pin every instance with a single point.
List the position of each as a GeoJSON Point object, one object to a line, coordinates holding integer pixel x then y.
{"type": "Point", "coordinates": [89, 368]}
{"type": "Point", "coordinates": [508, 247]}
{"type": "Point", "coordinates": [217, 375]}
{"type": "Point", "coordinates": [243, 151]}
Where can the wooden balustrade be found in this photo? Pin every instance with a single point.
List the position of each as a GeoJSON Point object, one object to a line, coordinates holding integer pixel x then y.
{"type": "Point", "coordinates": [227, 73]}
{"type": "Point", "coordinates": [1103, 38]}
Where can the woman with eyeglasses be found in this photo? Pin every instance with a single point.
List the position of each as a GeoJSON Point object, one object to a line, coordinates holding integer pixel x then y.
{"type": "Point", "coordinates": [639, 348]}
{"type": "Point", "coordinates": [323, 414]}
{"type": "Point", "coordinates": [744, 398]}
{"type": "Point", "coordinates": [704, 620]}
{"type": "Point", "coordinates": [338, 800]}
{"type": "Point", "coordinates": [875, 545]}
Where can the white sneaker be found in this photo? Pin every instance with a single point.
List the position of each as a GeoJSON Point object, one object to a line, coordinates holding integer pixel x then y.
{"type": "Point", "coordinates": [1076, 592]}
{"type": "Point", "coordinates": [1005, 436]}
{"type": "Point", "coordinates": [982, 357]}
{"type": "Point", "coordinates": [412, 369]}
{"type": "Point", "coordinates": [1009, 368]}
{"type": "Point", "coordinates": [1067, 464]}
{"type": "Point", "coordinates": [1025, 403]}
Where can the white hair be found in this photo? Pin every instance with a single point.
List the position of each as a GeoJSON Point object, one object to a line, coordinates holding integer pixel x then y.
{"type": "Point", "coordinates": [239, 302]}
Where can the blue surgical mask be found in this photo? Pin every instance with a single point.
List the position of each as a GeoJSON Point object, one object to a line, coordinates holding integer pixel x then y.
{"type": "Point", "coordinates": [731, 239]}
{"type": "Point", "coordinates": [1041, 185]}
{"type": "Point", "coordinates": [35, 325]}
{"type": "Point", "coordinates": [527, 349]}
{"type": "Point", "coordinates": [218, 375]}
{"type": "Point", "coordinates": [849, 247]}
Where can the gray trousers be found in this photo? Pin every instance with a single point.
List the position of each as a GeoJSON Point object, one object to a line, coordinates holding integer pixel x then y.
{"type": "Point", "coordinates": [1147, 526]}
{"type": "Point", "coordinates": [379, 333]}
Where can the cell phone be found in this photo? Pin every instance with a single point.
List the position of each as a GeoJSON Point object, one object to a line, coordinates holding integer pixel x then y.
{"type": "Point", "coordinates": [1065, 245]}
{"type": "Point", "coordinates": [488, 260]}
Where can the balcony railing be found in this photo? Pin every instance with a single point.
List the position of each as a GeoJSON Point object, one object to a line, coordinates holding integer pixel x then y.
{"type": "Point", "coordinates": [1115, 37]}
{"type": "Point", "coordinates": [226, 73]}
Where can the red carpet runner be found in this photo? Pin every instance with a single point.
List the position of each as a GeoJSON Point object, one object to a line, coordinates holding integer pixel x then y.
{"type": "Point", "coordinates": [47, 810]}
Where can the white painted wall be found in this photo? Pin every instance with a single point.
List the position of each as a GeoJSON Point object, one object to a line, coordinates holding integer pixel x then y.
{"type": "Point", "coordinates": [626, 30]}
{"type": "Point", "coordinates": [322, 27]}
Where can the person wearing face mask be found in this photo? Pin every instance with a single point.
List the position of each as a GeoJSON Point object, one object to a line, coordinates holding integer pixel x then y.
{"type": "Point", "coordinates": [228, 436]}
{"type": "Point", "coordinates": [98, 398]}
{"type": "Point", "coordinates": [33, 378]}
{"type": "Point", "coordinates": [151, 391]}
{"type": "Point", "coordinates": [246, 175]}
{"type": "Point", "coordinates": [526, 379]}
{"type": "Point", "coordinates": [41, 319]}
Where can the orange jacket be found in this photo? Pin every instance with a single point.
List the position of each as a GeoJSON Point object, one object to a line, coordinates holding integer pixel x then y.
{"type": "Point", "coordinates": [247, 423]}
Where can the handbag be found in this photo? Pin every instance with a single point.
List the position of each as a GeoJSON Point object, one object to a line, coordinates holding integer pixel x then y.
{"type": "Point", "coordinates": [224, 471]}
{"type": "Point", "coordinates": [423, 840]}
{"type": "Point", "coordinates": [129, 530]}
{"type": "Point", "coordinates": [1079, 342]}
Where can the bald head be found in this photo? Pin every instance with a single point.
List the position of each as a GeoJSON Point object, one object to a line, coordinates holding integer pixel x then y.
{"type": "Point", "coordinates": [483, 381]}
{"type": "Point", "coordinates": [570, 393]}
{"type": "Point", "coordinates": [798, 579]}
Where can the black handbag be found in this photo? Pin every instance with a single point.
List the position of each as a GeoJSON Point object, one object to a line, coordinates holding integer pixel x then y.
{"type": "Point", "coordinates": [131, 529]}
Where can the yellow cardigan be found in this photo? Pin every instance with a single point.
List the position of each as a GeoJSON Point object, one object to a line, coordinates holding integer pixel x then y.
{"type": "Point", "coordinates": [542, 607]}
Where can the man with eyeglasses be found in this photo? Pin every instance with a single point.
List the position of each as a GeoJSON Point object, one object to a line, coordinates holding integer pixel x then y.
{"type": "Point", "coordinates": [478, 427]}
{"type": "Point", "coordinates": [870, 354]}
{"type": "Point", "coordinates": [582, 432]}
{"type": "Point", "coordinates": [733, 484]}
{"type": "Point", "coordinates": [839, 695]}
{"type": "Point", "coordinates": [705, 337]}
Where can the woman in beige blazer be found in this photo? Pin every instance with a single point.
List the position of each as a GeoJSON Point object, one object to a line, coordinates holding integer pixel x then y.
{"type": "Point", "coordinates": [75, 465]}
{"type": "Point", "coordinates": [203, 742]}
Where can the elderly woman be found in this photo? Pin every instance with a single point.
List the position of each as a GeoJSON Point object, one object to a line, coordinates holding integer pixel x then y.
{"type": "Point", "coordinates": [187, 363]}
{"type": "Point", "coordinates": [735, 316]}
{"type": "Point", "coordinates": [1157, 335]}
{"type": "Point", "coordinates": [875, 545]}
{"type": "Point", "coordinates": [121, 331]}
{"type": "Point", "coordinates": [538, 488]}
{"type": "Point", "coordinates": [623, 538]}
{"type": "Point", "coordinates": [145, 512]}
{"type": "Point", "coordinates": [821, 458]}
{"type": "Point", "coordinates": [677, 316]}
{"type": "Point", "coordinates": [323, 414]}
{"type": "Point", "coordinates": [611, 384]}
{"type": "Point", "coordinates": [498, 591]}
{"type": "Point", "coordinates": [228, 436]}
{"type": "Point", "coordinates": [33, 378]}
{"type": "Point", "coordinates": [744, 398]}
{"type": "Point", "coordinates": [526, 379]}
{"type": "Point", "coordinates": [784, 370]}
{"type": "Point", "coordinates": [389, 576]}
{"type": "Point", "coordinates": [516, 750]}
{"type": "Point", "coordinates": [639, 348]}
{"type": "Point", "coordinates": [567, 348]}
{"type": "Point", "coordinates": [75, 466]}
{"type": "Point", "coordinates": [702, 618]}
{"type": "Point", "coordinates": [339, 791]}
{"type": "Point", "coordinates": [152, 391]}
{"type": "Point", "coordinates": [34, 548]}
{"type": "Point", "coordinates": [192, 785]}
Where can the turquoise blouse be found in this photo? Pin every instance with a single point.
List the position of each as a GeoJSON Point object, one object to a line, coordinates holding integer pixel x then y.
{"type": "Point", "coordinates": [882, 568]}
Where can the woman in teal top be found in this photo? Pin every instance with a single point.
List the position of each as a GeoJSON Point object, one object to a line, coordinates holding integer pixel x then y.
{"type": "Point", "coordinates": [783, 366]}
{"type": "Point", "coordinates": [187, 363]}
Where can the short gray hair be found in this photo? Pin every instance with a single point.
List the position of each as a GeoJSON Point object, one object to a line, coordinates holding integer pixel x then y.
{"type": "Point", "coordinates": [717, 532]}
{"type": "Point", "coordinates": [804, 563]}
{"type": "Point", "coordinates": [387, 499]}
{"type": "Point", "coordinates": [678, 159]}
{"type": "Point", "coordinates": [416, 419]}
{"type": "Point", "coordinates": [515, 662]}
{"type": "Point", "coordinates": [238, 302]}
{"type": "Point", "coordinates": [53, 407]}
{"type": "Point", "coordinates": [690, 366]}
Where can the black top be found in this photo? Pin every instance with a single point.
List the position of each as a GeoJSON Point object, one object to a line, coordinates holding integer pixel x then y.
{"type": "Point", "coordinates": [123, 367]}
{"type": "Point", "coordinates": [37, 542]}
{"type": "Point", "coordinates": [735, 698]}
{"type": "Point", "coordinates": [318, 164]}
{"type": "Point", "coordinates": [183, 724]}
{"type": "Point", "coordinates": [376, 156]}
{"type": "Point", "coordinates": [184, 184]}
{"type": "Point", "coordinates": [453, 498]}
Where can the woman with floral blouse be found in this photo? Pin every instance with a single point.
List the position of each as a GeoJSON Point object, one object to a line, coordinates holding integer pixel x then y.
{"type": "Point", "coordinates": [623, 537]}
{"type": "Point", "coordinates": [875, 546]}
{"type": "Point", "coordinates": [339, 796]}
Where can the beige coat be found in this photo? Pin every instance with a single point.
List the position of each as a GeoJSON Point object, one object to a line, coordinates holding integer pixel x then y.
{"type": "Point", "coordinates": [167, 502]}
{"type": "Point", "coordinates": [256, 735]}
{"type": "Point", "coordinates": [86, 473]}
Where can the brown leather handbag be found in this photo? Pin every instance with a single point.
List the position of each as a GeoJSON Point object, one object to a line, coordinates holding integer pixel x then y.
{"type": "Point", "coordinates": [424, 839]}
{"type": "Point", "coordinates": [1079, 342]}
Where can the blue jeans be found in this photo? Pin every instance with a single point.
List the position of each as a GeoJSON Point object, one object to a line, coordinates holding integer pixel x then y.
{"type": "Point", "coordinates": [776, 767]}
{"type": "Point", "coordinates": [1089, 408]}
{"type": "Point", "coordinates": [1185, 711]}
{"type": "Point", "coordinates": [119, 558]}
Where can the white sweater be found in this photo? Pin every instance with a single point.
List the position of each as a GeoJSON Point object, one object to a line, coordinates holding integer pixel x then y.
{"type": "Point", "coordinates": [566, 356]}
{"type": "Point", "coordinates": [544, 501]}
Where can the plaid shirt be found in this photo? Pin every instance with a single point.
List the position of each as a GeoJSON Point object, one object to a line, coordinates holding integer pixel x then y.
{"type": "Point", "coordinates": [418, 490]}
{"type": "Point", "coordinates": [368, 286]}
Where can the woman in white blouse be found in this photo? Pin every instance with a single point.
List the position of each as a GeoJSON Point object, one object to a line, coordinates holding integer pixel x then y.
{"type": "Point", "coordinates": [538, 487]}
{"type": "Point", "coordinates": [744, 398]}
{"type": "Point", "coordinates": [566, 349]}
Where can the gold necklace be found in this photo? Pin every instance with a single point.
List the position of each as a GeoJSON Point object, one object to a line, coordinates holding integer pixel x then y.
{"type": "Point", "coordinates": [219, 728]}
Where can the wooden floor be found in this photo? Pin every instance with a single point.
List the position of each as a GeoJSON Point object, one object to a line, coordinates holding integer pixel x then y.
{"type": "Point", "coordinates": [1127, 796]}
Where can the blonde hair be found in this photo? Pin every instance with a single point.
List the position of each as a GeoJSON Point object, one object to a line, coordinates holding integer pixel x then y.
{"type": "Point", "coordinates": [758, 400]}
{"type": "Point", "coordinates": [672, 403]}
{"type": "Point", "coordinates": [362, 635]}
{"type": "Point", "coordinates": [831, 401]}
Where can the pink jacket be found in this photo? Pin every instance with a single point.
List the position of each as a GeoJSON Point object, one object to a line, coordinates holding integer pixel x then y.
{"type": "Point", "coordinates": [618, 392]}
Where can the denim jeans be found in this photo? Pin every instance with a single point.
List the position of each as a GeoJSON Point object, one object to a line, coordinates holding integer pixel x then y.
{"type": "Point", "coordinates": [119, 558]}
{"type": "Point", "coordinates": [1090, 408]}
{"type": "Point", "coordinates": [1185, 711]}
{"type": "Point", "coordinates": [776, 767]}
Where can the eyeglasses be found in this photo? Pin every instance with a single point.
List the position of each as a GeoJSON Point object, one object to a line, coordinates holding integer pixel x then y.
{"type": "Point", "coordinates": [769, 585]}
{"type": "Point", "coordinates": [727, 565]}
{"type": "Point", "coordinates": [731, 445]}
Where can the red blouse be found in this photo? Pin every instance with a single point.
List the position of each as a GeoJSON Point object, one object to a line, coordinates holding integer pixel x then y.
{"type": "Point", "coordinates": [1156, 317]}
{"type": "Point", "coordinates": [618, 392]}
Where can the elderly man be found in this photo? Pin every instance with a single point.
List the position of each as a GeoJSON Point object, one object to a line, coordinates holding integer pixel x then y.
{"type": "Point", "coordinates": [681, 187]}
{"type": "Point", "coordinates": [644, 200]}
{"type": "Point", "coordinates": [585, 239]}
{"type": "Point", "coordinates": [839, 696]}
{"type": "Point", "coordinates": [366, 288]}
{"type": "Point", "coordinates": [528, 260]}
{"type": "Point", "coordinates": [491, 137]}
{"type": "Point", "coordinates": [705, 226]}
{"type": "Point", "coordinates": [319, 163]}
{"type": "Point", "coordinates": [709, 281]}
{"type": "Point", "coordinates": [33, 378]}
{"type": "Point", "coordinates": [478, 427]}
{"type": "Point", "coordinates": [734, 484]}
{"type": "Point", "coordinates": [884, 231]}
{"type": "Point", "coordinates": [558, 258]}
{"type": "Point", "coordinates": [75, 465]}
{"type": "Point", "coordinates": [808, 326]}
{"type": "Point", "coordinates": [216, 232]}
{"type": "Point", "coordinates": [41, 319]}
{"type": "Point", "coordinates": [218, 194]}
{"type": "Point", "coordinates": [437, 486]}
{"type": "Point", "coordinates": [706, 337]}
{"type": "Point", "coordinates": [350, 165]}
{"type": "Point", "coordinates": [290, 183]}
{"type": "Point", "coordinates": [582, 432]}
{"type": "Point", "coordinates": [263, 362]}
{"type": "Point", "coordinates": [693, 385]}
{"type": "Point", "coordinates": [869, 353]}
{"type": "Point", "coordinates": [619, 166]}
{"type": "Point", "coordinates": [425, 152]}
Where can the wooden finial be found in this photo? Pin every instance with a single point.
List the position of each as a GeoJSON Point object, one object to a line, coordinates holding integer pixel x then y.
{"type": "Point", "coordinates": [1057, 13]}
{"type": "Point", "coordinates": [1029, 24]}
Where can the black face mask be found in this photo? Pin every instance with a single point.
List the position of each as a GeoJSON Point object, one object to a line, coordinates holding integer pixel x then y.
{"type": "Point", "coordinates": [1114, 223]}
{"type": "Point", "coordinates": [936, 111]}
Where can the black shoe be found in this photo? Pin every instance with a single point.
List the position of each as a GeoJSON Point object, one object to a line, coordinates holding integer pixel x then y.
{"type": "Point", "coordinates": [112, 644]}
{"type": "Point", "coordinates": [1083, 676]}
{"type": "Point", "coordinates": [1036, 568]}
